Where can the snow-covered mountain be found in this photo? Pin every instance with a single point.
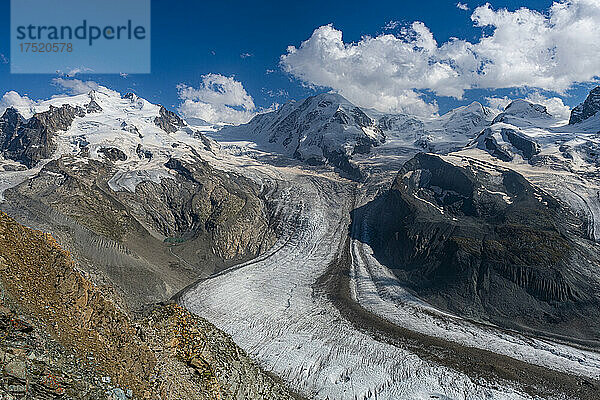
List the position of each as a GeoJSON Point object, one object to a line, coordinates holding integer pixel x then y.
{"type": "Point", "coordinates": [323, 129]}
{"type": "Point", "coordinates": [506, 137]}
{"type": "Point", "coordinates": [101, 125]}
{"type": "Point", "coordinates": [526, 132]}
{"type": "Point", "coordinates": [328, 129]}
{"type": "Point", "coordinates": [148, 204]}
{"type": "Point", "coordinates": [127, 176]}
{"type": "Point", "coordinates": [436, 134]}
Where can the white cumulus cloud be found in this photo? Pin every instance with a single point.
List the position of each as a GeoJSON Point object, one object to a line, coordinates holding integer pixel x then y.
{"type": "Point", "coordinates": [218, 99]}
{"type": "Point", "coordinates": [75, 86]}
{"type": "Point", "coordinates": [23, 104]}
{"type": "Point", "coordinates": [549, 51]}
{"type": "Point", "coordinates": [462, 6]}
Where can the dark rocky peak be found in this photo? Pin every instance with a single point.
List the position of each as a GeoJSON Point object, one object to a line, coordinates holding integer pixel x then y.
{"type": "Point", "coordinates": [93, 107]}
{"type": "Point", "coordinates": [143, 153]}
{"type": "Point", "coordinates": [57, 118]}
{"type": "Point", "coordinates": [11, 115]}
{"type": "Point", "coordinates": [9, 121]}
{"type": "Point", "coordinates": [135, 100]}
{"type": "Point", "coordinates": [113, 154]}
{"type": "Point", "coordinates": [93, 95]}
{"type": "Point", "coordinates": [168, 121]}
{"type": "Point", "coordinates": [587, 109]}
{"type": "Point", "coordinates": [131, 96]}
{"type": "Point", "coordinates": [33, 140]}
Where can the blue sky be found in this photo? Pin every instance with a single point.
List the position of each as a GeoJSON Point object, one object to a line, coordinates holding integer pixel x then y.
{"type": "Point", "coordinates": [191, 39]}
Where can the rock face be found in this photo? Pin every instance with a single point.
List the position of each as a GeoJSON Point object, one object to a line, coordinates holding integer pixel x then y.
{"type": "Point", "coordinates": [486, 244]}
{"type": "Point", "coordinates": [505, 143]}
{"type": "Point", "coordinates": [323, 129]}
{"type": "Point", "coordinates": [64, 337]}
{"type": "Point", "coordinates": [168, 121]}
{"type": "Point", "coordinates": [154, 241]}
{"type": "Point", "coordinates": [33, 140]}
{"type": "Point", "coordinates": [93, 107]}
{"type": "Point", "coordinates": [38, 274]}
{"type": "Point", "coordinates": [587, 109]}
{"type": "Point", "coordinates": [113, 154]}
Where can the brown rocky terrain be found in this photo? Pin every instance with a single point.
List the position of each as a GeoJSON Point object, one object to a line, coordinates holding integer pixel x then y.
{"type": "Point", "coordinates": [64, 337]}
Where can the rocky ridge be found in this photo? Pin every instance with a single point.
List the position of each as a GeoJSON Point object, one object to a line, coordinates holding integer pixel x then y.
{"type": "Point", "coordinates": [484, 243]}
{"type": "Point", "coordinates": [587, 109]}
{"type": "Point", "coordinates": [29, 141]}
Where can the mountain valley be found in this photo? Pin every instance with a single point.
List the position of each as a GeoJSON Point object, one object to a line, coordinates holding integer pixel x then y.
{"type": "Point", "coordinates": [349, 253]}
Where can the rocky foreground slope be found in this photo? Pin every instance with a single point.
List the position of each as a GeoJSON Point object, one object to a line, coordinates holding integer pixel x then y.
{"type": "Point", "coordinates": [64, 337]}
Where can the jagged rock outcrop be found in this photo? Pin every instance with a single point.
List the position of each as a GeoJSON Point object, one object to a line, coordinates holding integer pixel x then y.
{"type": "Point", "coordinates": [113, 154]}
{"type": "Point", "coordinates": [29, 141]}
{"type": "Point", "coordinates": [587, 109]}
{"type": "Point", "coordinates": [143, 153]}
{"type": "Point", "coordinates": [168, 121]}
{"type": "Point", "coordinates": [488, 245]}
{"type": "Point", "coordinates": [93, 107]}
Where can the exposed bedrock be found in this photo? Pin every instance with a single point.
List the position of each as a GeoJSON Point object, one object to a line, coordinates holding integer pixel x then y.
{"type": "Point", "coordinates": [29, 141]}
{"type": "Point", "coordinates": [155, 241]}
{"type": "Point", "coordinates": [487, 245]}
{"type": "Point", "coordinates": [587, 109]}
